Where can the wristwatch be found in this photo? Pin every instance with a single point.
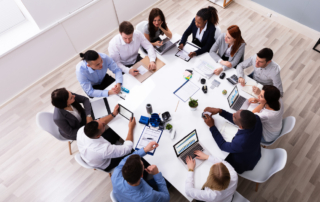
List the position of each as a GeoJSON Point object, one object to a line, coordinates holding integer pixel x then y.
{"type": "Point", "coordinates": [89, 115]}
{"type": "Point", "coordinates": [113, 115]}
{"type": "Point", "coordinates": [190, 170]}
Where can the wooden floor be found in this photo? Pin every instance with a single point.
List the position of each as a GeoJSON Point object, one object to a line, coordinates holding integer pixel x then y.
{"type": "Point", "coordinates": [36, 167]}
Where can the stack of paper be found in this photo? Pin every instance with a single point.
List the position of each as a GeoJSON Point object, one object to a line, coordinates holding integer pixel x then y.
{"type": "Point", "coordinates": [205, 69]}
{"type": "Point", "coordinates": [248, 87]}
{"type": "Point", "coordinates": [228, 131]}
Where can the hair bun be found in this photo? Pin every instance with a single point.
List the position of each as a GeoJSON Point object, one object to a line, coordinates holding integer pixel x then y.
{"type": "Point", "coordinates": [81, 55]}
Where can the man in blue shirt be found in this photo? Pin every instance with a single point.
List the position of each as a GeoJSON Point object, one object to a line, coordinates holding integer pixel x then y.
{"type": "Point", "coordinates": [244, 149]}
{"type": "Point", "coordinates": [128, 184]}
{"type": "Point", "coordinates": [92, 74]}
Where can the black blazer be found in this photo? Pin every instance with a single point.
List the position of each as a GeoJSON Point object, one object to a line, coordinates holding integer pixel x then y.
{"type": "Point", "coordinates": [207, 39]}
{"type": "Point", "coordinates": [69, 124]}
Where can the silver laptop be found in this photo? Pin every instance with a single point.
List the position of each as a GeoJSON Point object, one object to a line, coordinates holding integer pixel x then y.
{"type": "Point", "coordinates": [186, 147]}
{"type": "Point", "coordinates": [236, 101]}
{"type": "Point", "coordinates": [167, 44]}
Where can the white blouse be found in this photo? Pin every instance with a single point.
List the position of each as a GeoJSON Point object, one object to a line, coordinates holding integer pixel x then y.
{"type": "Point", "coordinates": [200, 35]}
{"type": "Point", "coordinates": [75, 113]}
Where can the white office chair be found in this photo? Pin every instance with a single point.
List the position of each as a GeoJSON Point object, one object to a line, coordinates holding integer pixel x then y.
{"type": "Point", "coordinates": [271, 162]}
{"type": "Point", "coordinates": [82, 163]}
{"type": "Point", "coordinates": [113, 199]}
{"type": "Point", "coordinates": [217, 33]}
{"type": "Point", "coordinates": [45, 122]}
{"type": "Point", "coordinates": [287, 126]}
{"type": "Point", "coordinates": [140, 26]}
{"type": "Point", "coordinates": [239, 198]}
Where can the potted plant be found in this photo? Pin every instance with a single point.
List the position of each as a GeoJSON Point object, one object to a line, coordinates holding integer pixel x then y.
{"type": "Point", "coordinates": [169, 127]}
{"type": "Point", "coordinates": [193, 104]}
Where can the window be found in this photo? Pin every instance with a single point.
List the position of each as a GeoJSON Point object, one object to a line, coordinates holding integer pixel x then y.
{"type": "Point", "coordinates": [10, 15]}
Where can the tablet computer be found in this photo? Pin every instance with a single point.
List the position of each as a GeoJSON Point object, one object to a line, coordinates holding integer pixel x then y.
{"type": "Point", "coordinates": [125, 112]}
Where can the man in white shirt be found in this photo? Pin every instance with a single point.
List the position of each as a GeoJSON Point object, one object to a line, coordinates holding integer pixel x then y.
{"type": "Point", "coordinates": [124, 47]}
{"type": "Point", "coordinates": [221, 182]}
{"type": "Point", "coordinates": [96, 145]}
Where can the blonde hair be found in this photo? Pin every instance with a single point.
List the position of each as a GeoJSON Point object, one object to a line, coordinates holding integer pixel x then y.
{"type": "Point", "coordinates": [218, 178]}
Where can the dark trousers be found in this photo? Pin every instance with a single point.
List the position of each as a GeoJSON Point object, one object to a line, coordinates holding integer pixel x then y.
{"type": "Point", "coordinates": [137, 60]}
{"type": "Point", "coordinates": [107, 81]}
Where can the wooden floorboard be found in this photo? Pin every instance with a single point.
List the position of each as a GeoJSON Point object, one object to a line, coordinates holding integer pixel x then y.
{"type": "Point", "coordinates": [36, 167]}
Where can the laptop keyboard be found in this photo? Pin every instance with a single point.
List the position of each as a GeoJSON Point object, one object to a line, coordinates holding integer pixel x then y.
{"type": "Point", "coordinates": [190, 152]}
{"type": "Point", "coordinates": [239, 103]}
{"type": "Point", "coordinates": [161, 48]}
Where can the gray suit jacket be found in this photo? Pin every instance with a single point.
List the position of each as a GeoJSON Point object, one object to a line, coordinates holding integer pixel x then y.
{"type": "Point", "coordinates": [219, 48]}
{"type": "Point", "coordinates": [68, 124]}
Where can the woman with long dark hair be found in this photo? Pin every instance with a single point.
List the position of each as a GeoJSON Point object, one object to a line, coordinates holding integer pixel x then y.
{"type": "Point", "coordinates": [202, 29]}
{"type": "Point", "coordinates": [68, 114]}
{"type": "Point", "coordinates": [228, 49]}
{"type": "Point", "coordinates": [156, 26]}
{"type": "Point", "coordinates": [270, 110]}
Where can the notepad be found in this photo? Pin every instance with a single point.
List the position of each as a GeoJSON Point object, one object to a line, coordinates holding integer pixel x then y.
{"type": "Point", "coordinates": [248, 87]}
{"type": "Point", "coordinates": [228, 131]}
{"type": "Point", "coordinates": [187, 90]}
{"type": "Point", "coordinates": [100, 108]}
{"type": "Point", "coordinates": [142, 70]}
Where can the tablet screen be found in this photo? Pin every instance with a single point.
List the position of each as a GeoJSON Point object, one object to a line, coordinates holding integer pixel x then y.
{"type": "Point", "coordinates": [125, 112]}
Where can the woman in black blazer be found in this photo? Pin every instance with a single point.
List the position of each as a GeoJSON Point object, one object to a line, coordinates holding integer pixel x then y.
{"type": "Point", "coordinates": [68, 114]}
{"type": "Point", "coordinates": [203, 30]}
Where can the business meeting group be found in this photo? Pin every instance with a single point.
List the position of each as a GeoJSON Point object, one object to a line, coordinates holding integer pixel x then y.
{"type": "Point", "coordinates": [133, 178]}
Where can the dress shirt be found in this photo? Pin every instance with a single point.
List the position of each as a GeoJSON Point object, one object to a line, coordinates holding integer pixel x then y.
{"type": "Point", "coordinates": [200, 35]}
{"type": "Point", "coordinates": [98, 152]}
{"type": "Point", "coordinates": [124, 192]}
{"type": "Point", "coordinates": [75, 113]}
{"type": "Point", "coordinates": [89, 77]}
{"type": "Point", "coordinates": [126, 54]}
{"type": "Point", "coordinates": [270, 75]}
{"type": "Point", "coordinates": [212, 195]}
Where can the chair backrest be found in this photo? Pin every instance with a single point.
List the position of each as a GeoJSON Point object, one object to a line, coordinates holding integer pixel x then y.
{"type": "Point", "coordinates": [272, 161]}
{"type": "Point", "coordinates": [239, 198]}
{"type": "Point", "coordinates": [45, 122]}
{"type": "Point", "coordinates": [81, 161]}
{"type": "Point", "coordinates": [113, 198]}
{"type": "Point", "coordinates": [140, 26]}
{"type": "Point", "coordinates": [217, 33]}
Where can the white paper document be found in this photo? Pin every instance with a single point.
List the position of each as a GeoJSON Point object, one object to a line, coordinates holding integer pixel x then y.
{"type": "Point", "coordinates": [186, 91]}
{"type": "Point", "coordinates": [248, 87]}
{"type": "Point", "coordinates": [148, 135]}
{"type": "Point", "coordinates": [99, 108]}
{"type": "Point", "coordinates": [142, 70]}
{"type": "Point", "coordinates": [183, 55]}
{"type": "Point", "coordinates": [228, 131]}
{"type": "Point", "coordinates": [205, 69]}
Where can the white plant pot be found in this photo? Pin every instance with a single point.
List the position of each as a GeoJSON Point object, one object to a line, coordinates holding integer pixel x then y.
{"type": "Point", "coordinates": [193, 108]}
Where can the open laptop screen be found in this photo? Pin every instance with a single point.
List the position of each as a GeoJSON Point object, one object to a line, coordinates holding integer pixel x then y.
{"type": "Point", "coordinates": [233, 96]}
{"type": "Point", "coordinates": [186, 142]}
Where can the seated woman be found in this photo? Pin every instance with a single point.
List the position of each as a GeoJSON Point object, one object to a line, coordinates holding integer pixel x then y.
{"type": "Point", "coordinates": [221, 182]}
{"type": "Point", "coordinates": [68, 114]}
{"type": "Point", "coordinates": [156, 26]}
{"type": "Point", "coordinates": [203, 30]}
{"type": "Point", "coordinates": [270, 110]}
{"type": "Point", "coordinates": [228, 49]}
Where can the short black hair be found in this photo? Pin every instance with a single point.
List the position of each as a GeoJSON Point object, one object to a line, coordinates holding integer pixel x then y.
{"type": "Point", "coordinates": [132, 169]}
{"type": "Point", "coordinates": [126, 27]}
{"type": "Point", "coordinates": [91, 129]}
{"type": "Point", "coordinates": [265, 53]}
{"type": "Point", "coordinates": [90, 55]}
{"type": "Point", "coordinates": [247, 119]}
{"type": "Point", "coordinates": [59, 98]}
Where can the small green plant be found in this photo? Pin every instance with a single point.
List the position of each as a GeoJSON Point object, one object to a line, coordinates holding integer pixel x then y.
{"type": "Point", "coordinates": [193, 103]}
{"type": "Point", "coordinates": [168, 126]}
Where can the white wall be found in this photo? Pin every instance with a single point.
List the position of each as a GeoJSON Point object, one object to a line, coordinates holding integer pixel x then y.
{"type": "Point", "coordinates": [127, 9]}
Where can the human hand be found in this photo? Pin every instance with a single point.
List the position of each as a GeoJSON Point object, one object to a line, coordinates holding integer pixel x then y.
{"type": "Point", "coordinates": [116, 89]}
{"type": "Point", "coordinates": [201, 155]}
{"type": "Point", "coordinates": [112, 91]}
{"type": "Point", "coordinates": [118, 86]}
{"type": "Point", "coordinates": [191, 163]}
{"type": "Point", "coordinates": [253, 100]}
{"type": "Point", "coordinates": [133, 72]}
{"type": "Point", "coordinates": [226, 63]}
{"type": "Point", "coordinates": [151, 146]}
{"type": "Point", "coordinates": [152, 66]}
{"type": "Point", "coordinates": [158, 43]}
{"type": "Point", "coordinates": [242, 81]}
{"type": "Point", "coordinates": [89, 119]}
{"type": "Point", "coordinates": [218, 71]}
{"type": "Point", "coordinates": [180, 46]}
{"type": "Point", "coordinates": [192, 54]}
{"type": "Point", "coordinates": [132, 123]}
{"type": "Point", "coordinates": [116, 110]}
{"type": "Point", "coordinates": [208, 120]}
{"type": "Point", "coordinates": [256, 90]}
{"type": "Point", "coordinates": [153, 170]}
{"type": "Point", "coordinates": [212, 110]}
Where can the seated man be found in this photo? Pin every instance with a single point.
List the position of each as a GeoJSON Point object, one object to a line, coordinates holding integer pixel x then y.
{"type": "Point", "coordinates": [124, 47]}
{"type": "Point", "coordinates": [221, 182]}
{"type": "Point", "coordinates": [128, 184]}
{"type": "Point", "coordinates": [91, 73]}
{"type": "Point", "coordinates": [265, 70]}
{"type": "Point", "coordinates": [245, 150]}
{"type": "Point", "coordinates": [96, 144]}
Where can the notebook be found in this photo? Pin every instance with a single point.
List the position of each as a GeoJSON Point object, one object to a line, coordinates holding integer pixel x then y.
{"type": "Point", "coordinates": [248, 87]}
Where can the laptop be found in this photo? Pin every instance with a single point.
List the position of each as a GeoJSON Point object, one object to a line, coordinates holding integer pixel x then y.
{"type": "Point", "coordinates": [236, 101]}
{"type": "Point", "coordinates": [186, 147]}
{"type": "Point", "coordinates": [167, 44]}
